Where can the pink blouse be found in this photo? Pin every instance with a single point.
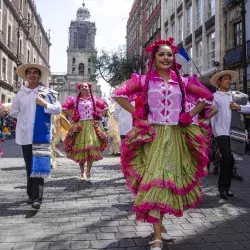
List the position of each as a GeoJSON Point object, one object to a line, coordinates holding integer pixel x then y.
{"type": "Point", "coordinates": [85, 106]}
{"type": "Point", "coordinates": [164, 98]}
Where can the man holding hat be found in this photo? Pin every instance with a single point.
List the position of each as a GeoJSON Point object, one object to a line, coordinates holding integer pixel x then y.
{"type": "Point", "coordinates": [228, 126]}
{"type": "Point", "coordinates": [33, 107]}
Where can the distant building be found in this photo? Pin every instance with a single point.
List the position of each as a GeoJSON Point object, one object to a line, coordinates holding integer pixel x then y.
{"type": "Point", "coordinates": [197, 25]}
{"type": "Point", "coordinates": [80, 52]}
{"type": "Point", "coordinates": [22, 40]}
{"type": "Point", "coordinates": [233, 40]}
{"type": "Point", "coordinates": [143, 28]}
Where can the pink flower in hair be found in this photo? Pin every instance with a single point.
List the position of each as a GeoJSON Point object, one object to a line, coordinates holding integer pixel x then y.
{"type": "Point", "coordinates": [169, 42]}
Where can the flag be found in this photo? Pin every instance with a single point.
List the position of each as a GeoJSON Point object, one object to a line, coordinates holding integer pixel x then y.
{"type": "Point", "coordinates": [182, 57]}
{"type": "Point", "coordinates": [184, 53]}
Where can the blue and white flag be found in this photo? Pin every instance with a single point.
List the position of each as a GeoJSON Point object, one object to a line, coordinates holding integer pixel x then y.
{"type": "Point", "coordinates": [182, 56]}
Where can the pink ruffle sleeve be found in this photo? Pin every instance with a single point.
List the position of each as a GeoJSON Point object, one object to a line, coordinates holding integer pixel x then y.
{"type": "Point", "coordinates": [130, 89]}
{"type": "Point", "coordinates": [69, 103]}
{"type": "Point", "coordinates": [197, 92]}
{"type": "Point", "coordinates": [100, 104]}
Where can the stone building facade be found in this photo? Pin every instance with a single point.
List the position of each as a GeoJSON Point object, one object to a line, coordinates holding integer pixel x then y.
{"type": "Point", "coordinates": [80, 52]}
{"type": "Point", "coordinates": [23, 39]}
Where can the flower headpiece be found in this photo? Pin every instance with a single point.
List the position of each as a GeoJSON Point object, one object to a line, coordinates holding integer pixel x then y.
{"type": "Point", "coordinates": [169, 42]}
{"type": "Point", "coordinates": [79, 84]}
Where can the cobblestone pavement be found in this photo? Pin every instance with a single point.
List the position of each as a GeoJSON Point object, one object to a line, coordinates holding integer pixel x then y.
{"type": "Point", "coordinates": [79, 215]}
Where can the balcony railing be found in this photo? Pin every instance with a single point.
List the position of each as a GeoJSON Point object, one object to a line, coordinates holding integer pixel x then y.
{"type": "Point", "coordinates": [234, 55]}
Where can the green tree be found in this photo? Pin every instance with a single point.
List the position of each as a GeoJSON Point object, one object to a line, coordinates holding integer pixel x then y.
{"type": "Point", "coordinates": [115, 66]}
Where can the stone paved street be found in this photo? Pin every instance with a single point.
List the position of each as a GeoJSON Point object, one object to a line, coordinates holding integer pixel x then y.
{"type": "Point", "coordinates": [79, 215]}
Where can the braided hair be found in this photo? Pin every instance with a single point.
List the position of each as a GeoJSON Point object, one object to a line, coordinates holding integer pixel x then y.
{"type": "Point", "coordinates": [146, 86]}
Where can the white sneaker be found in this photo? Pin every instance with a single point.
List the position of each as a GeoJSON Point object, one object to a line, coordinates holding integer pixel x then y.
{"type": "Point", "coordinates": [88, 177]}
{"type": "Point", "coordinates": [156, 248]}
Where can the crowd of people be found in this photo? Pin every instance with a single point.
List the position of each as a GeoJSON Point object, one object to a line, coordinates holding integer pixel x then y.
{"type": "Point", "coordinates": [161, 124]}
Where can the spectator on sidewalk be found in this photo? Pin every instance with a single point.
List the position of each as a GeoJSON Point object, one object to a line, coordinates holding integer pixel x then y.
{"type": "Point", "coordinates": [228, 126]}
{"type": "Point", "coordinates": [33, 106]}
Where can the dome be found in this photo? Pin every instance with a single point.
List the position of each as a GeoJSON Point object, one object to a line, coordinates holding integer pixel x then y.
{"type": "Point", "coordinates": [82, 13]}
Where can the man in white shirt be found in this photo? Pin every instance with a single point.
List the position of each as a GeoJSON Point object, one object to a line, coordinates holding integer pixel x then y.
{"type": "Point", "coordinates": [24, 109]}
{"type": "Point", "coordinates": [221, 125]}
{"type": "Point", "coordinates": [125, 120]}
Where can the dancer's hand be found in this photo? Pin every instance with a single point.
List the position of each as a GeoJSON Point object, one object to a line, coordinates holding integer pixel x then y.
{"type": "Point", "coordinates": [40, 101]}
{"type": "Point", "coordinates": [234, 106]}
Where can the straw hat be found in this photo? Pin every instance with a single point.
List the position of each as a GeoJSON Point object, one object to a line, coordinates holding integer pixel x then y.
{"type": "Point", "coordinates": [214, 79]}
{"type": "Point", "coordinates": [21, 71]}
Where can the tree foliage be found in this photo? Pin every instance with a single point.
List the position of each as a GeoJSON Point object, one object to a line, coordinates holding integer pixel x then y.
{"type": "Point", "coordinates": [115, 66]}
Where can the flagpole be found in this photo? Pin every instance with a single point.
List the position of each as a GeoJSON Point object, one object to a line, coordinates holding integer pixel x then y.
{"type": "Point", "coordinates": [193, 63]}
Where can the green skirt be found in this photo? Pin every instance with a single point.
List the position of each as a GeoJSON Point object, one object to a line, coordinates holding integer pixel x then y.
{"type": "Point", "coordinates": [85, 141]}
{"type": "Point", "coordinates": [163, 173]}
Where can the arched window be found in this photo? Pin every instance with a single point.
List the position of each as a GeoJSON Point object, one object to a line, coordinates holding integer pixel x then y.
{"type": "Point", "coordinates": [73, 60]}
{"type": "Point", "coordinates": [81, 69]}
{"type": "Point", "coordinates": [73, 70]}
{"type": "Point", "coordinates": [89, 71]}
{"type": "Point", "coordinates": [89, 61]}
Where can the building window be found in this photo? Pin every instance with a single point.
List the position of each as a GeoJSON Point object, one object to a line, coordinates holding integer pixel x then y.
{"type": "Point", "coordinates": [73, 60]}
{"type": "Point", "coordinates": [81, 69]}
{"type": "Point", "coordinates": [3, 98]}
{"type": "Point", "coordinates": [14, 74]}
{"type": "Point", "coordinates": [199, 47]}
{"type": "Point", "coordinates": [199, 13]}
{"type": "Point", "coordinates": [237, 34]}
{"type": "Point", "coordinates": [9, 36]}
{"type": "Point", "coordinates": [40, 40]}
{"type": "Point", "coordinates": [211, 50]}
{"type": "Point", "coordinates": [189, 20]}
{"type": "Point", "coordinates": [4, 69]}
{"type": "Point", "coordinates": [89, 61]}
{"type": "Point", "coordinates": [29, 16]}
{"type": "Point", "coordinates": [9, 100]}
{"type": "Point", "coordinates": [28, 56]}
{"type": "Point", "coordinates": [180, 29]}
{"type": "Point", "coordinates": [73, 70]}
{"type": "Point", "coordinates": [158, 22]}
{"type": "Point", "coordinates": [20, 49]}
{"type": "Point", "coordinates": [150, 9]}
{"type": "Point", "coordinates": [34, 60]}
{"type": "Point", "coordinates": [173, 29]}
{"type": "Point", "coordinates": [89, 71]}
{"type": "Point", "coordinates": [211, 8]}
{"type": "Point", "coordinates": [21, 5]}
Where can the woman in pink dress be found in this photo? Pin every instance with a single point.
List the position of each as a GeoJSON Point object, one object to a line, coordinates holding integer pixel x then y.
{"type": "Point", "coordinates": [158, 160]}
{"type": "Point", "coordinates": [85, 140]}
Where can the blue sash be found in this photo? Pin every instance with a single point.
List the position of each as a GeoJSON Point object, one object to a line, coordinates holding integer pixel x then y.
{"type": "Point", "coordinates": [41, 159]}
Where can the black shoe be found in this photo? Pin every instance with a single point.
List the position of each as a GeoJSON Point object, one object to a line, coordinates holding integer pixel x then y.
{"type": "Point", "coordinates": [36, 205]}
{"type": "Point", "coordinates": [224, 195]}
{"type": "Point", "coordinates": [29, 201]}
{"type": "Point", "coordinates": [230, 194]}
{"type": "Point", "coordinates": [237, 177]}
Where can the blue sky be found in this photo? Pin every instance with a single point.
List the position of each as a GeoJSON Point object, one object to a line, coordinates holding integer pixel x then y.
{"type": "Point", "coordinates": [110, 17]}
